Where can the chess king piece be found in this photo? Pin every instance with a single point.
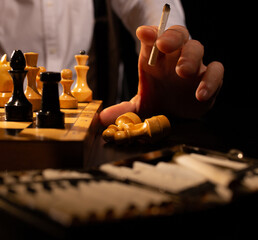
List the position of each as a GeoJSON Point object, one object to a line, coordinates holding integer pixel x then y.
{"type": "Point", "coordinates": [128, 128]}
{"type": "Point", "coordinates": [6, 82]}
{"type": "Point", "coordinates": [31, 91]}
{"type": "Point", "coordinates": [81, 90]}
{"type": "Point", "coordinates": [67, 100]}
{"type": "Point", "coordinates": [38, 82]}
{"type": "Point", "coordinates": [18, 107]}
{"type": "Point", "coordinates": [50, 115]}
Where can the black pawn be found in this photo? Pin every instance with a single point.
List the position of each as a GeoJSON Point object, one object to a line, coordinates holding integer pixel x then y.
{"type": "Point", "coordinates": [18, 108]}
{"type": "Point", "coordinates": [50, 115]}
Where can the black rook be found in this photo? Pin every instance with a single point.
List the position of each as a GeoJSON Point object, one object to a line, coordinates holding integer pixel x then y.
{"type": "Point", "coordinates": [50, 115]}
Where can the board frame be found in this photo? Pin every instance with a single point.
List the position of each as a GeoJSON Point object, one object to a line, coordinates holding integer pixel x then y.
{"type": "Point", "coordinates": [38, 148]}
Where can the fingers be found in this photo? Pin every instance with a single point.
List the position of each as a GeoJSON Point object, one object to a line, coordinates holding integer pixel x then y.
{"type": "Point", "coordinates": [147, 35]}
{"type": "Point", "coordinates": [190, 61]}
{"type": "Point", "coordinates": [110, 114]}
{"type": "Point", "coordinates": [172, 39]}
{"type": "Point", "coordinates": [211, 82]}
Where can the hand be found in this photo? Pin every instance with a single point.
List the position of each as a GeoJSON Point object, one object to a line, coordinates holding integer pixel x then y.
{"type": "Point", "coordinates": [179, 85]}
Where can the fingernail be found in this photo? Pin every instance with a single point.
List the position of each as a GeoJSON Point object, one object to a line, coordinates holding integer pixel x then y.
{"type": "Point", "coordinates": [203, 94]}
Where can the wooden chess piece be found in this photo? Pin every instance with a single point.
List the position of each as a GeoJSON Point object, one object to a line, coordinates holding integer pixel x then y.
{"type": "Point", "coordinates": [31, 91]}
{"type": "Point", "coordinates": [81, 90]}
{"type": "Point", "coordinates": [67, 100]}
{"type": "Point", "coordinates": [50, 115]}
{"type": "Point", "coordinates": [152, 130]}
{"type": "Point", "coordinates": [122, 123]}
{"type": "Point", "coordinates": [38, 82]}
{"type": "Point", "coordinates": [6, 81]}
{"type": "Point", "coordinates": [18, 107]}
{"type": "Point", "coordinates": [126, 120]}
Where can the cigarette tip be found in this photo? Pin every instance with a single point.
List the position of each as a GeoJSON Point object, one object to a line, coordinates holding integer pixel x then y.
{"type": "Point", "coordinates": [166, 7]}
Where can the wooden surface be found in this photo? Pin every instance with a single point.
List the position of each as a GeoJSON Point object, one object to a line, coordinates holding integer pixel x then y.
{"type": "Point", "coordinates": [214, 135]}
{"type": "Point", "coordinates": [23, 146]}
{"type": "Point", "coordinates": [195, 133]}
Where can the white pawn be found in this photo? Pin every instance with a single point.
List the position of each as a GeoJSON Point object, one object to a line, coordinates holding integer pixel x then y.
{"type": "Point", "coordinates": [67, 100]}
{"type": "Point", "coordinates": [38, 82]}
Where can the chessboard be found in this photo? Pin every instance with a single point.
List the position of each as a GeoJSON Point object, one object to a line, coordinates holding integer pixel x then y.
{"type": "Point", "coordinates": [23, 146]}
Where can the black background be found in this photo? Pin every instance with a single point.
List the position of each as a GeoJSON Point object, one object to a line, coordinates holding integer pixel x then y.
{"type": "Point", "coordinates": [227, 29]}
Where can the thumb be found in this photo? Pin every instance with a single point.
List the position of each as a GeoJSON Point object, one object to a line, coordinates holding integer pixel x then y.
{"type": "Point", "coordinates": [147, 35]}
{"type": "Point", "coordinates": [109, 115]}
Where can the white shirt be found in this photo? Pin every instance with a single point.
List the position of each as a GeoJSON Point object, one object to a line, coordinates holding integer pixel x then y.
{"type": "Point", "coordinates": [59, 29]}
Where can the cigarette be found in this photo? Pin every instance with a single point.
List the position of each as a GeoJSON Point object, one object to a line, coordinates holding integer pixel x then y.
{"type": "Point", "coordinates": [162, 25]}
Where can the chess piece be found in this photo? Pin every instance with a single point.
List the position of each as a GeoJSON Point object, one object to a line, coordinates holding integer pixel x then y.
{"type": "Point", "coordinates": [67, 100]}
{"type": "Point", "coordinates": [50, 115]}
{"type": "Point", "coordinates": [31, 91]}
{"type": "Point", "coordinates": [122, 123]}
{"type": "Point", "coordinates": [81, 90]}
{"type": "Point", "coordinates": [39, 84]}
{"type": "Point", "coordinates": [6, 82]}
{"type": "Point", "coordinates": [152, 129]}
{"type": "Point", "coordinates": [126, 120]}
{"type": "Point", "coordinates": [18, 107]}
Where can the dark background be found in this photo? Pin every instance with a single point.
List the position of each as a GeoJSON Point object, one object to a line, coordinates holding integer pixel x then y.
{"type": "Point", "coordinates": [227, 29]}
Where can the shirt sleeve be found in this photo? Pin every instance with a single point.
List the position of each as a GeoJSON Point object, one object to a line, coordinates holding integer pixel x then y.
{"type": "Point", "coordinates": [135, 13]}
